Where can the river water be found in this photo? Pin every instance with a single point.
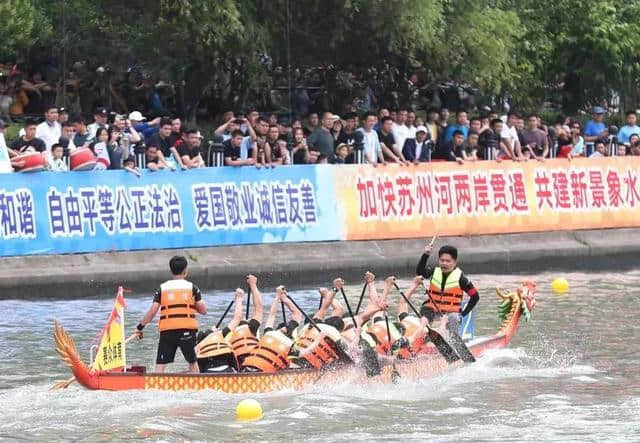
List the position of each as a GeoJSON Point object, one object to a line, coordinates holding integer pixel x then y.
{"type": "Point", "coordinates": [571, 374]}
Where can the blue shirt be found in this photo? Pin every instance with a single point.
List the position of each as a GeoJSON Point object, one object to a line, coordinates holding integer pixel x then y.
{"type": "Point", "coordinates": [626, 132]}
{"type": "Point", "coordinates": [145, 129]}
{"type": "Point", "coordinates": [448, 136]}
{"type": "Point", "coordinates": [593, 129]}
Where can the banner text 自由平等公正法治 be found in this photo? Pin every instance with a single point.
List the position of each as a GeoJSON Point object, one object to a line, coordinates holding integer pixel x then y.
{"type": "Point", "coordinates": [49, 213]}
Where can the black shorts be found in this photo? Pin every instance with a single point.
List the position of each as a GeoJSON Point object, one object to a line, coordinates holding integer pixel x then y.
{"type": "Point", "coordinates": [170, 341]}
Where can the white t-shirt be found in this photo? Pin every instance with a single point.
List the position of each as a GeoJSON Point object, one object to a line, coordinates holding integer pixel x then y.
{"type": "Point", "coordinates": [371, 145]}
{"type": "Point", "coordinates": [511, 134]}
{"type": "Point", "coordinates": [401, 133]}
{"type": "Point", "coordinates": [49, 133]}
{"type": "Point", "coordinates": [102, 154]}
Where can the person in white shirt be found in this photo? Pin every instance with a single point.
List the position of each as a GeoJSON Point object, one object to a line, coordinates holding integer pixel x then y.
{"type": "Point", "coordinates": [400, 130]}
{"type": "Point", "coordinates": [372, 147]}
{"type": "Point", "coordinates": [599, 150]}
{"type": "Point", "coordinates": [100, 121]}
{"type": "Point", "coordinates": [57, 163]}
{"type": "Point", "coordinates": [68, 132]}
{"type": "Point", "coordinates": [49, 130]}
{"type": "Point", "coordinates": [510, 137]}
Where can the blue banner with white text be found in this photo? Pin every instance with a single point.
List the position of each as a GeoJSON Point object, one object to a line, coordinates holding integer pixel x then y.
{"type": "Point", "coordinates": [53, 213]}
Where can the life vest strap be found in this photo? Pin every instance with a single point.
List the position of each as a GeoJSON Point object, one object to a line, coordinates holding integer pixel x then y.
{"type": "Point", "coordinates": [179, 305]}
{"type": "Point", "coordinates": [165, 317]}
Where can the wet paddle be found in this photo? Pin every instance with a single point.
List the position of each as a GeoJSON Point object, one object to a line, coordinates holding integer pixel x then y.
{"type": "Point", "coordinates": [284, 314]}
{"type": "Point", "coordinates": [441, 345]}
{"type": "Point", "coordinates": [364, 289]}
{"type": "Point", "coordinates": [226, 311]}
{"type": "Point", "coordinates": [65, 383]}
{"type": "Point", "coordinates": [458, 344]}
{"type": "Point", "coordinates": [246, 315]}
{"type": "Point", "coordinates": [395, 375]}
{"type": "Point", "coordinates": [371, 363]}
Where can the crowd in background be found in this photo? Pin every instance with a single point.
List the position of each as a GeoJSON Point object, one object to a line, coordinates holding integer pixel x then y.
{"type": "Point", "coordinates": [113, 141]}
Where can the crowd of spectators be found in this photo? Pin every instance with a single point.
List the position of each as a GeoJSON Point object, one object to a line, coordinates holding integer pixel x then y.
{"type": "Point", "coordinates": [399, 136]}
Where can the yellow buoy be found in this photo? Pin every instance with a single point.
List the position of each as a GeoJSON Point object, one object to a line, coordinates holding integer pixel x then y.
{"type": "Point", "coordinates": [248, 409]}
{"type": "Point", "coordinates": [560, 285]}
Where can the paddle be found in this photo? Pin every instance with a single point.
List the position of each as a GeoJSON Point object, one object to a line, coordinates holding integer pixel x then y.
{"type": "Point", "coordinates": [224, 314]}
{"type": "Point", "coordinates": [395, 375]}
{"type": "Point", "coordinates": [313, 323]}
{"type": "Point", "coordinates": [284, 314]}
{"type": "Point", "coordinates": [441, 345]}
{"type": "Point", "coordinates": [246, 315]}
{"type": "Point", "coordinates": [458, 344]}
{"type": "Point", "coordinates": [364, 289]}
{"type": "Point", "coordinates": [64, 384]}
{"type": "Point", "coordinates": [371, 363]}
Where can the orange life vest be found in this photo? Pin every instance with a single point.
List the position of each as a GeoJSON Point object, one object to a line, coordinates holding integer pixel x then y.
{"type": "Point", "coordinates": [271, 353]}
{"type": "Point", "coordinates": [243, 342]}
{"type": "Point", "coordinates": [323, 354]}
{"type": "Point", "coordinates": [449, 298]}
{"type": "Point", "coordinates": [177, 306]}
{"type": "Point", "coordinates": [379, 331]}
{"type": "Point", "coordinates": [213, 345]}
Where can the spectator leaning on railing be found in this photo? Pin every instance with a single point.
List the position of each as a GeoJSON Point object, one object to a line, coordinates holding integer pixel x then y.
{"type": "Point", "coordinates": [49, 130]}
{"type": "Point", "coordinates": [630, 128]}
{"type": "Point", "coordinates": [371, 142]}
{"type": "Point", "coordinates": [418, 149]}
{"type": "Point", "coordinates": [595, 129]}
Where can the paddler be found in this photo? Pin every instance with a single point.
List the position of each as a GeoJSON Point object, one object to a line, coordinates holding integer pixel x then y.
{"type": "Point", "coordinates": [178, 301]}
{"type": "Point", "coordinates": [276, 348]}
{"type": "Point", "coordinates": [413, 329]}
{"type": "Point", "coordinates": [243, 334]}
{"type": "Point", "coordinates": [447, 285]}
{"type": "Point", "coordinates": [213, 350]}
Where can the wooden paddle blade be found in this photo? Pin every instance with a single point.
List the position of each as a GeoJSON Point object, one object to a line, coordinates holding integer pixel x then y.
{"type": "Point", "coordinates": [443, 347]}
{"type": "Point", "coordinates": [461, 348]}
{"type": "Point", "coordinates": [64, 384]}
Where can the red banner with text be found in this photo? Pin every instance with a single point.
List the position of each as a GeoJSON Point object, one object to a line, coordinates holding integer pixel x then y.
{"type": "Point", "coordinates": [488, 197]}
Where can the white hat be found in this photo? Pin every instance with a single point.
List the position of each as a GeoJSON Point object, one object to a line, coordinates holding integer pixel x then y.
{"type": "Point", "coordinates": [137, 116]}
{"type": "Point", "coordinates": [334, 117]}
{"type": "Point", "coordinates": [422, 129]}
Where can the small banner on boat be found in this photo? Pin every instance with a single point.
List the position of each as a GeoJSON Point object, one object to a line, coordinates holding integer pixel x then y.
{"type": "Point", "coordinates": [489, 197]}
{"type": "Point", "coordinates": [111, 354]}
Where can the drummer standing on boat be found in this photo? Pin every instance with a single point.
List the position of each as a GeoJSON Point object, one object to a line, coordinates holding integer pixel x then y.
{"type": "Point", "coordinates": [178, 301]}
{"type": "Point", "coordinates": [446, 287]}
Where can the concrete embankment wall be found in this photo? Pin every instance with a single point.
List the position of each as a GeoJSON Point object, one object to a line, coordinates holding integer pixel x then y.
{"type": "Point", "coordinates": [298, 264]}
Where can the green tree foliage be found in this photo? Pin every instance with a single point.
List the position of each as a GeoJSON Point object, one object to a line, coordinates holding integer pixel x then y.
{"type": "Point", "coordinates": [23, 26]}
{"type": "Point", "coordinates": [573, 52]}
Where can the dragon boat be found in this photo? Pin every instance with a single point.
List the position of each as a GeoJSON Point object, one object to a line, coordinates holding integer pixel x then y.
{"type": "Point", "coordinates": [513, 307]}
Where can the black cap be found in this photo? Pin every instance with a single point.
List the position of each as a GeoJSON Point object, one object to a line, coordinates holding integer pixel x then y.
{"type": "Point", "coordinates": [101, 111]}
